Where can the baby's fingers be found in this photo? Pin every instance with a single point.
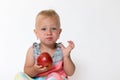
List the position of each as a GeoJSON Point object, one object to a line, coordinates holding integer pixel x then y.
{"type": "Point", "coordinates": [71, 44]}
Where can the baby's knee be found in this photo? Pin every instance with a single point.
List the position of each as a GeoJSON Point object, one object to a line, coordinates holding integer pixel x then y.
{"type": "Point", "coordinates": [54, 76]}
{"type": "Point", "coordinates": [22, 76]}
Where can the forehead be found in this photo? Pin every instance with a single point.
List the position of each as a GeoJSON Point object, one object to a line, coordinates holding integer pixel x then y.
{"type": "Point", "coordinates": [46, 20]}
{"type": "Point", "coordinates": [41, 17]}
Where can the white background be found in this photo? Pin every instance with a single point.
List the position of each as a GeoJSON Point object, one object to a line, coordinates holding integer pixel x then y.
{"type": "Point", "coordinates": [94, 26]}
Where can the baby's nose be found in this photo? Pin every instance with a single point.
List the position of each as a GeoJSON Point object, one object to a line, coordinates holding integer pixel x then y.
{"type": "Point", "coordinates": [49, 32]}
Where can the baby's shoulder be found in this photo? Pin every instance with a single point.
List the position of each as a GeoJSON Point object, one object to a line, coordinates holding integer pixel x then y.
{"type": "Point", "coordinates": [33, 46]}
{"type": "Point", "coordinates": [30, 50]}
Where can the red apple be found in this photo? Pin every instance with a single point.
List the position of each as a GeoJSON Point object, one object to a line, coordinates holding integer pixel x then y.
{"type": "Point", "coordinates": [44, 59]}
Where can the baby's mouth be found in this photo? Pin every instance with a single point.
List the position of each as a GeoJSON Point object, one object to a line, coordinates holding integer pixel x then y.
{"type": "Point", "coordinates": [49, 38]}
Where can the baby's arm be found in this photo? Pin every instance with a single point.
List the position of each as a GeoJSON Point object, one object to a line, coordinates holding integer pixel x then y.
{"type": "Point", "coordinates": [68, 64]}
{"type": "Point", "coordinates": [30, 67]}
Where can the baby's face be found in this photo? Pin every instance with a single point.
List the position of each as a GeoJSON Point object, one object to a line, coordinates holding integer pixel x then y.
{"type": "Point", "coordinates": [47, 29]}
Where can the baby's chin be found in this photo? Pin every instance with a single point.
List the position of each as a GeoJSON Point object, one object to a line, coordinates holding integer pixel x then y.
{"type": "Point", "coordinates": [49, 43]}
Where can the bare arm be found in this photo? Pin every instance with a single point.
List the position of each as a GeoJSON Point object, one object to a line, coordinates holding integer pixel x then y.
{"type": "Point", "coordinates": [68, 64]}
{"type": "Point", "coordinates": [30, 67]}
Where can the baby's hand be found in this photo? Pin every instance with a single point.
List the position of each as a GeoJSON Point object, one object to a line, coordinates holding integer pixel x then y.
{"type": "Point", "coordinates": [66, 50]}
{"type": "Point", "coordinates": [40, 68]}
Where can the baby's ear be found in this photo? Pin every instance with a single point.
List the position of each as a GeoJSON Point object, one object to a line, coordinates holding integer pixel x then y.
{"type": "Point", "coordinates": [60, 31]}
{"type": "Point", "coordinates": [35, 31]}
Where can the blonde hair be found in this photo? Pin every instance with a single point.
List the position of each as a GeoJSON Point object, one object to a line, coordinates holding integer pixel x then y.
{"type": "Point", "coordinates": [49, 13]}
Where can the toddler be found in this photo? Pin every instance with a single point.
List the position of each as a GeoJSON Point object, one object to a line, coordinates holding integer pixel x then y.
{"type": "Point", "coordinates": [48, 30]}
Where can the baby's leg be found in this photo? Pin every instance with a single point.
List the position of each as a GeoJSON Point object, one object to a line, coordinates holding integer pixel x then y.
{"type": "Point", "coordinates": [55, 76]}
{"type": "Point", "coordinates": [40, 78]}
{"type": "Point", "coordinates": [22, 76]}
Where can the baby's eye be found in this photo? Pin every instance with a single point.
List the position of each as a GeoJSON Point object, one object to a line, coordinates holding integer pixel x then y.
{"type": "Point", "coordinates": [43, 28]}
{"type": "Point", "coordinates": [54, 28]}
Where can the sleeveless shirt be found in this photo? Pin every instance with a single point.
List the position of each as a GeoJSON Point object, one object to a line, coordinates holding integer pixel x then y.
{"type": "Point", "coordinates": [57, 55]}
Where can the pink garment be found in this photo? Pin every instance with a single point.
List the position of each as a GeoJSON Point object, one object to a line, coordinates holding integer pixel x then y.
{"type": "Point", "coordinates": [58, 68]}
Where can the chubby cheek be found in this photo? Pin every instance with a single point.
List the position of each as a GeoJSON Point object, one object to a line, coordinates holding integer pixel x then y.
{"type": "Point", "coordinates": [40, 36]}
{"type": "Point", "coordinates": [56, 36]}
